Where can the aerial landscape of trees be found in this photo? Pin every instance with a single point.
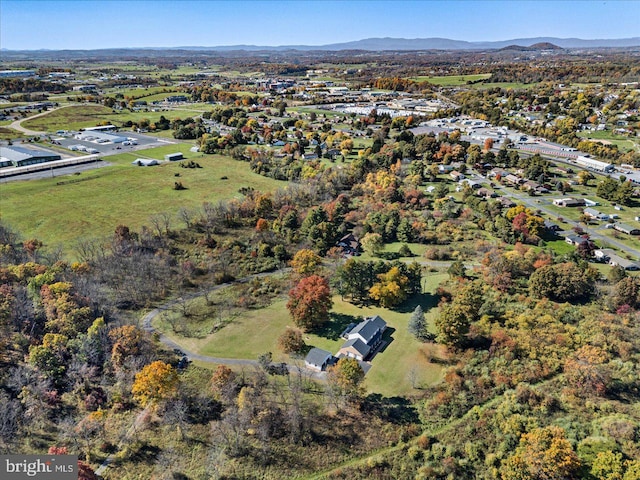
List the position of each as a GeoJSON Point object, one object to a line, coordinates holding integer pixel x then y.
{"type": "Point", "coordinates": [175, 346]}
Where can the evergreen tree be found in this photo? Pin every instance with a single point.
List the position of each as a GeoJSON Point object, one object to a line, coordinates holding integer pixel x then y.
{"type": "Point", "coordinates": [418, 325]}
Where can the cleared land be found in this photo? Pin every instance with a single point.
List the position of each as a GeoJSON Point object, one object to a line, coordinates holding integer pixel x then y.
{"type": "Point", "coordinates": [82, 116]}
{"type": "Point", "coordinates": [63, 210]}
{"type": "Point", "coordinates": [624, 143]}
{"type": "Point", "coordinates": [451, 80]}
{"type": "Point", "coordinates": [254, 332]}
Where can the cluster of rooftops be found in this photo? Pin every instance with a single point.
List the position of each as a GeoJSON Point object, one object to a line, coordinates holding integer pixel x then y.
{"type": "Point", "coordinates": [362, 340]}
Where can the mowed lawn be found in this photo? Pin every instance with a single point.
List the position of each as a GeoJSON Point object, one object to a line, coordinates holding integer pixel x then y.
{"type": "Point", "coordinates": [256, 332]}
{"type": "Point", "coordinates": [65, 209]}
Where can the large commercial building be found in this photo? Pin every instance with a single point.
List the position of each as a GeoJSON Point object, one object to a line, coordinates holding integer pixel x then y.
{"type": "Point", "coordinates": [595, 164]}
{"type": "Point", "coordinates": [22, 156]}
{"type": "Point", "coordinates": [17, 73]}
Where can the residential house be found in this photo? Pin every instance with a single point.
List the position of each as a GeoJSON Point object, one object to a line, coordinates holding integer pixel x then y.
{"type": "Point", "coordinates": [595, 214]}
{"type": "Point", "coordinates": [550, 226]}
{"type": "Point", "coordinates": [609, 256]}
{"type": "Point", "coordinates": [506, 202]}
{"type": "Point", "coordinates": [349, 244]}
{"type": "Point", "coordinates": [485, 193]}
{"type": "Point", "coordinates": [628, 229]}
{"type": "Point", "coordinates": [575, 240]}
{"type": "Point", "coordinates": [513, 179]}
{"type": "Point", "coordinates": [569, 202]}
{"type": "Point", "coordinates": [475, 184]}
{"type": "Point", "coordinates": [354, 348]}
{"type": "Point", "coordinates": [456, 176]}
{"type": "Point", "coordinates": [364, 338]}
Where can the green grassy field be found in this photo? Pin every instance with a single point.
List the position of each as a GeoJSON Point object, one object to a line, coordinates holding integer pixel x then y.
{"type": "Point", "coordinates": [560, 247]}
{"type": "Point", "coordinates": [65, 209]}
{"type": "Point", "coordinates": [7, 133]}
{"type": "Point", "coordinates": [624, 143]}
{"type": "Point", "coordinates": [505, 85]}
{"type": "Point", "coordinates": [451, 80]}
{"type": "Point", "coordinates": [256, 331]}
{"type": "Point", "coordinates": [140, 93]}
{"type": "Point", "coordinates": [82, 116]}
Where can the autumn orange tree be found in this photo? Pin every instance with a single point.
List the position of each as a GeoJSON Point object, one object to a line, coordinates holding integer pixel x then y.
{"type": "Point", "coordinates": [291, 341]}
{"type": "Point", "coordinates": [127, 341]}
{"type": "Point", "coordinates": [309, 302]}
{"type": "Point", "coordinates": [154, 382]}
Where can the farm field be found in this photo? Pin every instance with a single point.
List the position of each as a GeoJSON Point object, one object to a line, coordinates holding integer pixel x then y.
{"type": "Point", "coordinates": [82, 116]}
{"type": "Point", "coordinates": [255, 332]}
{"type": "Point", "coordinates": [63, 210]}
{"type": "Point", "coordinates": [451, 80]}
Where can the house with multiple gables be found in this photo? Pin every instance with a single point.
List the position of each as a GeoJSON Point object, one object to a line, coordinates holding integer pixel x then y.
{"type": "Point", "coordinates": [364, 338]}
{"type": "Point", "coordinates": [361, 341]}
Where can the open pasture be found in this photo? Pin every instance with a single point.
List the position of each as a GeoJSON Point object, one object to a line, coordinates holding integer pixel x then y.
{"type": "Point", "coordinates": [82, 116]}
{"type": "Point", "coordinates": [62, 210]}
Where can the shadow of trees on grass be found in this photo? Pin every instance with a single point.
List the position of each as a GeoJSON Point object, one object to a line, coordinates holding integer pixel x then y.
{"type": "Point", "coordinates": [425, 300]}
{"type": "Point", "coordinates": [336, 325]}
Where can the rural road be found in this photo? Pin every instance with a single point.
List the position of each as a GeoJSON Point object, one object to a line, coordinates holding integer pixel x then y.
{"type": "Point", "coordinates": [17, 125]}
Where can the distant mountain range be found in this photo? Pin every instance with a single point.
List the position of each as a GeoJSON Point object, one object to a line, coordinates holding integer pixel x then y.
{"type": "Point", "coordinates": [406, 44]}
{"type": "Point", "coordinates": [381, 44]}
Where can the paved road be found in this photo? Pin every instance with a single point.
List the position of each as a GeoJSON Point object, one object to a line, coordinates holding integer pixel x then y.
{"type": "Point", "coordinates": [56, 172]}
{"type": "Point", "coordinates": [17, 125]}
{"type": "Point", "coordinates": [532, 202]}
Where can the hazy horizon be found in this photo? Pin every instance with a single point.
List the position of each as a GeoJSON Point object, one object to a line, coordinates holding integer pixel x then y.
{"type": "Point", "coordinates": [86, 25]}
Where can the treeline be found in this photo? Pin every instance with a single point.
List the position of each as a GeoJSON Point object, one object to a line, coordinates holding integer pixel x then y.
{"type": "Point", "coordinates": [10, 86]}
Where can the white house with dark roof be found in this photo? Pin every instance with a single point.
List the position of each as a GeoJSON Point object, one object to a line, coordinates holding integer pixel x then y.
{"type": "Point", "coordinates": [361, 341]}
{"type": "Point", "coordinates": [364, 338]}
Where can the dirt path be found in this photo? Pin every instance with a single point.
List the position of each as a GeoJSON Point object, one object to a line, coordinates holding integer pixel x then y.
{"type": "Point", "coordinates": [147, 320]}
{"type": "Point", "coordinates": [130, 432]}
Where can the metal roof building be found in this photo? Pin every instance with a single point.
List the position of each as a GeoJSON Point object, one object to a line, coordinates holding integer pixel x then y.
{"type": "Point", "coordinates": [22, 156]}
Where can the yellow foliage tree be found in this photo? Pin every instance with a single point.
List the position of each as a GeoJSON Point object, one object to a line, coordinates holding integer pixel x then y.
{"type": "Point", "coordinates": [391, 289]}
{"type": "Point", "coordinates": [154, 382]}
{"type": "Point", "coordinates": [543, 453]}
{"type": "Point", "coordinates": [305, 262]}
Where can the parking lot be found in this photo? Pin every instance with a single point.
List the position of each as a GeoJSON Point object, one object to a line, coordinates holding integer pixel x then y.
{"type": "Point", "coordinates": [136, 141]}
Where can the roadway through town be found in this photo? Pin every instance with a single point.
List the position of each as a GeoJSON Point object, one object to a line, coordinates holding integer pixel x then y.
{"type": "Point", "coordinates": [594, 235]}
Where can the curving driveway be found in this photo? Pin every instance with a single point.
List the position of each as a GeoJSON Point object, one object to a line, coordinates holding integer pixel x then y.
{"type": "Point", "coordinates": [147, 325]}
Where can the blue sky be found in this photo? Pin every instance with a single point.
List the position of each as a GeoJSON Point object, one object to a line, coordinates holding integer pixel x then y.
{"type": "Point", "coordinates": [80, 24]}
